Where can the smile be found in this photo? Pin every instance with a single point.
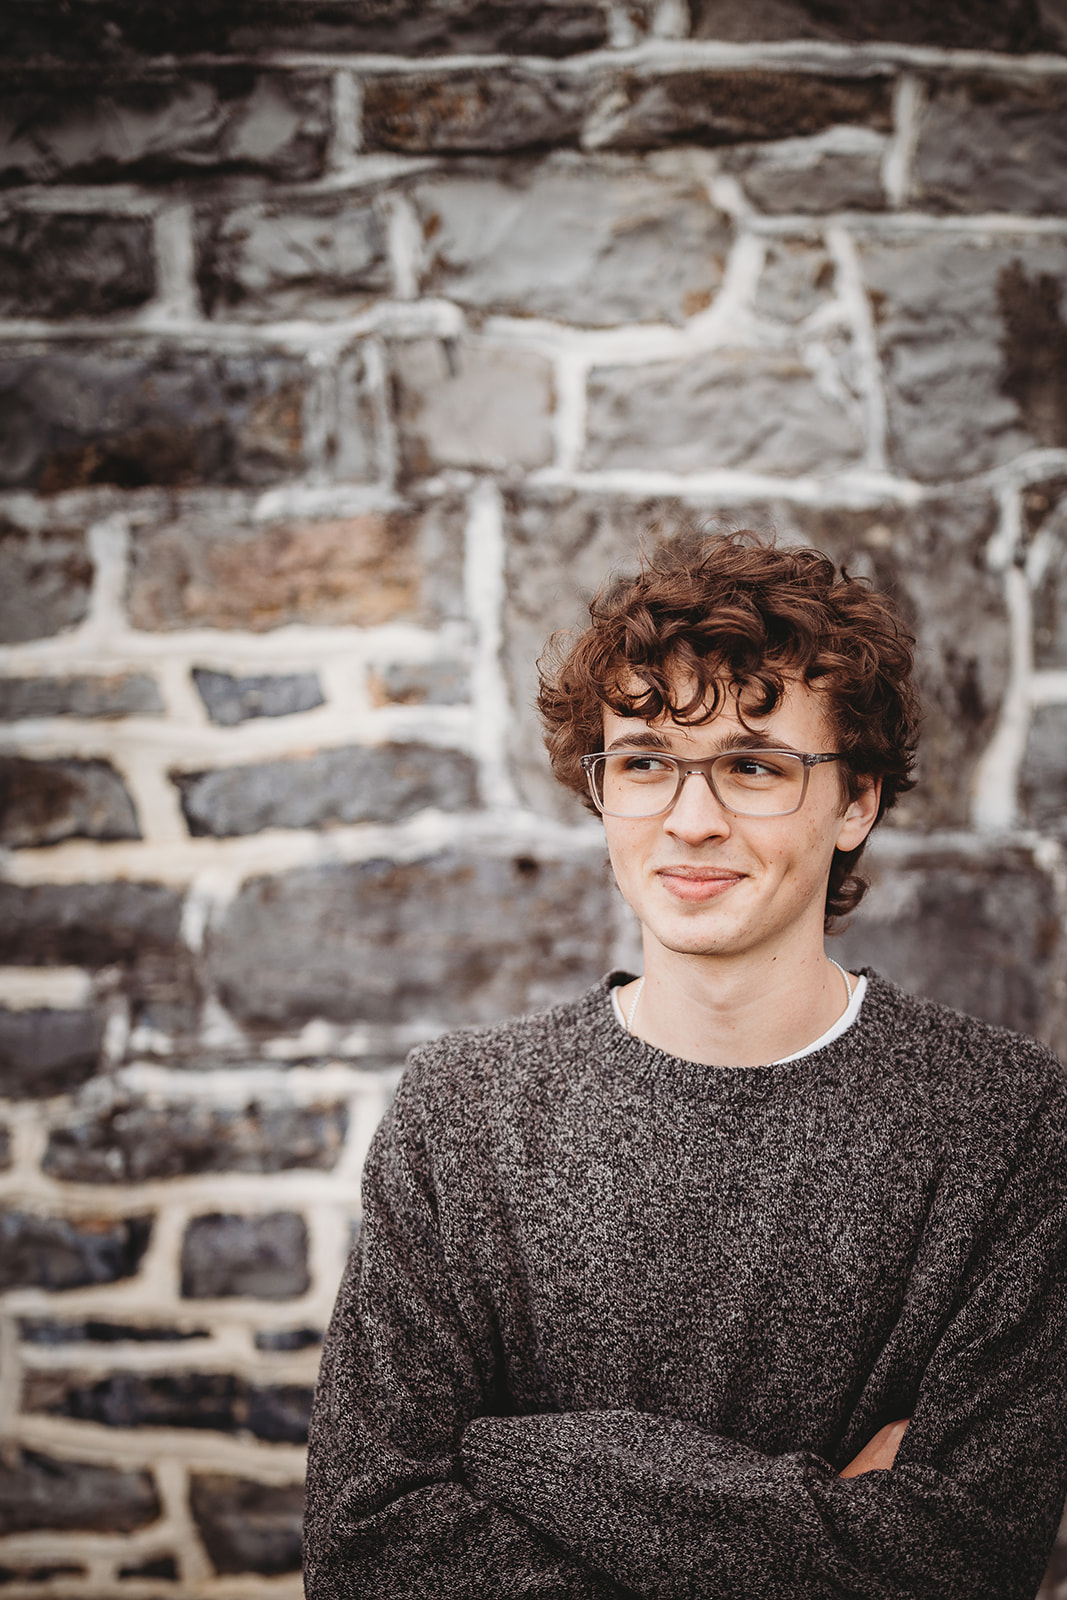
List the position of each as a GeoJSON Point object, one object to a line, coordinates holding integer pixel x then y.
{"type": "Point", "coordinates": [697, 883]}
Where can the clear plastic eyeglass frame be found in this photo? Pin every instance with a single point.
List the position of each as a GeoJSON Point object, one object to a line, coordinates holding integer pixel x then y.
{"type": "Point", "coordinates": [593, 765]}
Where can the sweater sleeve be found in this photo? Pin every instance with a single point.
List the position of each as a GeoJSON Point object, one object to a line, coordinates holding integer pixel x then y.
{"type": "Point", "coordinates": [387, 1515]}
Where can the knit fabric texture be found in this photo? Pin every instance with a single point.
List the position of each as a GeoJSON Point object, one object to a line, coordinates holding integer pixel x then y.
{"type": "Point", "coordinates": [615, 1321]}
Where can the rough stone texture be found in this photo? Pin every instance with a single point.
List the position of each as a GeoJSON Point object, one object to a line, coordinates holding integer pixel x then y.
{"type": "Point", "coordinates": [263, 1257]}
{"type": "Point", "coordinates": [70, 417]}
{"type": "Point", "coordinates": [976, 932]}
{"type": "Point", "coordinates": [45, 1052]}
{"type": "Point", "coordinates": [407, 683]}
{"type": "Point", "coordinates": [1043, 778]}
{"type": "Point", "coordinates": [472, 110]}
{"type": "Point", "coordinates": [480, 937]}
{"type": "Point", "coordinates": [993, 144]}
{"type": "Point", "coordinates": [39, 1252]}
{"type": "Point", "coordinates": [403, 566]}
{"type": "Point", "coordinates": [1045, 510]}
{"type": "Point", "coordinates": [358, 783]}
{"type": "Point", "coordinates": [974, 343]}
{"type": "Point", "coordinates": [135, 1142]}
{"type": "Point", "coordinates": [797, 279]}
{"type": "Point", "coordinates": [231, 700]}
{"type": "Point", "coordinates": [248, 1526]}
{"type": "Point", "coordinates": [1015, 25]}
{"type": "Point", "coordinates": [80, 265]}
{"type": "Point", "coordinates": [45, 579]}
{"type": "Point", "coordinates": [119, 695]}
{"type": "Point", "coordinates": [39, 1491]}
{"type": "Point", "coordinates": [471, 405]}
{"type": "Point", "coordinates": [325, 259]}
{"type": "Point", "coordinates": [167, 126]}
{"type": "Point", "coordinates": [595, 240]}
{"type": "Point", "coordinates": [758, 410]}
{"type": "Point", "coordinates": [46, 1330]}
{"type": "Point", "coordinates": [813, 176]}
{"type": "Point", "coordinates": [218, 1400]}
{"type": "Point", "coordinates": [45, 802]}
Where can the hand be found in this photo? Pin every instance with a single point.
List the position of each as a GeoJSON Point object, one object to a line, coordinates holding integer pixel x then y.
{"type": "Point", "coordinates": [878, 1453]}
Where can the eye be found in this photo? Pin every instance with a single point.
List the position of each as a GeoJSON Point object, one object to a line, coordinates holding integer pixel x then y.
{"type": "Point", "coordinates": [642, 762]}
{"type": "Point", "coordinates": [754, 768]}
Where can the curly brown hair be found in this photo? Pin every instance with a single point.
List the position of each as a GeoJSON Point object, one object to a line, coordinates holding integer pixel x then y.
{"type": "Point", "coordinates": [736, 614]}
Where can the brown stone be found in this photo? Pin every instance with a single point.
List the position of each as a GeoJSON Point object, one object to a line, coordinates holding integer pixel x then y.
{"type": "Point", "coordinates": [1014, 25]}
{"type": "Point", "coordinates": [471, 405]}
{"type": "Point", "coordinates": [466, 109]}
{"type": "Point", "coordinates": [1045, 512]}
{"type": "Point", "coordinates": [45, 579]}
{"type": "Point", "coordinates": [993, 144]}
{"type": "Point", "coordinates": [45, 802]}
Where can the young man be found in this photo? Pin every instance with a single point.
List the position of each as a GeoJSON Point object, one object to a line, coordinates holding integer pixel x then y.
{"type": "Point", "coordinates": [744, 1278]}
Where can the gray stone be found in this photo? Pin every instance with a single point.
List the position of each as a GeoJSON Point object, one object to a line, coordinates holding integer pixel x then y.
{"type": "Point", "coordinates": [464, 109]}
{"type": "Point", "coordinates": [596, 240]}
{"type": "Point", "coordinates": [325, 260]}
{"type": "Point", "coordinates": [39, 1252]}
{"type": "Point", "coordinates": [76, 265]}
{"type": "Point", "coordinates": [168, 125]}
{"type": "Point", "coordinates": [980, 933]}
{"type": "Point", "coordinates": [454, 938]}
{"type": "Point", "coordinates": [5, 1148]}
{"type": "Point", "coordinates": [39, 1491]}
{"type": "Point", "coordinates": [974, 348]}
{"type": "Point", "coordinates": [357, 783]}
{"type": "Point", "coordinates": [156, 1567]}
{"type": "Point", "coordinates": [45, 579]}
{"type": "Point", "coordinates": [70, 417]}
{"type": "Point", "coordinates": [755, 410]}
{"type": "Point", "coordinates": [993, 144]}
{"type": "Point", "coordinates": [1043, 776]}
{"type": "Point", "coordinates": [797, 279]}
{"type": "Point", "coordinates": [1045, 511]}
{"type": "Point", "coordinates": [47, 1331]}
{"type": "Point", "coordinates": [986, 25]}
{"type": "Point", "coordinates": [118, 695]}
{"type": "Point", "coordinates": [423, 683]}
{"type": "Point", "coordinates": [247, 1526]}
{"type": "Point", "coordinates": [45, 802]}
{"type": "Point", "coordinates": [471, 405]}
{"type": "Point", "coordinates": [45, 1052]}
{"type": "Point", "coordinates": [231, 700]}
{"type": "Point", "coordinates": [284, 1340]}
{"type": "Point", "coordinates": [263, 1257]}
{"type": "Point", "coordinates": [812, 176]}
{"type": "Point", "coordinates": [359, 571]}
{"type": "Point", "coordinates": [87, 924]}
{"type": "Point", "coordinates": [216, 1400]}
{"type": "Point", "coordinates": [134, 1142]}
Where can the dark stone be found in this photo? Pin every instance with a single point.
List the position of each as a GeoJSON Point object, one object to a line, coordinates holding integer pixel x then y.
{"type": "Point", "coordinates": [279, 1413]}
{"type": "Point", "coordinates": [157, 1567]}
{"type": "Point", "coordinates": [77, 265]}
{"type": "Point", "coordinates": [87, 924]}
{"type": "Point", "coordinates": [471, 405]}
{"type": "Point", "coordinates": [5, 1148]}
{"type": "Point", "coordinates": [45, 579]}
{"type": "Point", "coordinates": [37, 1491]}
{"type": "Point", "coordinates": [362, 571]}
{"type": "Point", "coordinates": [1045, 511]}
{"type": "Point", "coordinates": [38, 1252]}
{"type": "Point", "coordinates": [231, 700]}
{"type": "Point", "coordinates": [40, 1574]}
{"type": "Point", "coordinates": [1034, 350]}
{"type": "Point", "coordinates": [264, 1257]}
{"type": "Point", "coordinates": [459, 938]}
{"type": "Point", "coordinates": [357, 783]}
{"type": "Point", "coordinates": [1043, 778]}
{"type": "Point", "coordinates": [248, 1526]}
{"type": "Point", "coordinates": [419, 683]}
{"type": "Point", "coordinates": [1015, 25]}
{"type": "Point", "coordinates": [992, 144]}
{"type": "Point", "coordinates": [284, 1340]}
{"type": "Point", "coordinates": [135, 1142]}
{"type": "Point", "coordinates": [215, 1400]}
{"type": "Point", "coordinates": [44, 1051]}
{"type": "Point", "coordinates": [978, 933]}
{"type": "Point", "coordinates": [466, 109]}
{"type": "Point", "coordinates": [71, 417]}
{"type": "Point", "coordinates": [326, 259]}
{"type": "Point", "coordinates": [122, 694]}
{"type": "Point", "coordinates": [167, 126]}
{"type": "Point", "coordinates": [45, 802]}
{"type": "Point", "coordinates": [47, 1331]}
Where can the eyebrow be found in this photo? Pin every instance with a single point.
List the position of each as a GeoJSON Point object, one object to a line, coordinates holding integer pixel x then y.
{"type": "Point", "coordinates": [739, 739]}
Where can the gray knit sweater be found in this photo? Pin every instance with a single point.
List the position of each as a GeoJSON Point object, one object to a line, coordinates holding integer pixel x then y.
{"type": "Point", "coordinates": [615, 1320]}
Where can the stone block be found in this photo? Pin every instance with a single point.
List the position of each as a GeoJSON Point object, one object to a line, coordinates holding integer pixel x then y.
{"type": "Point", "coordinates": [120, 694]}
{"type": "Point", "coordinates": [326, 259]}
{"type": "Point", "coordinates": [357, 783]}
{"type": "Point", "coordinates": [247, 1526]}
{"type": "Point", "coordinates": [813, 176]}
{"type": "Point", "coordinates": [466, 109]}
{"type": "Point", "coordinates": [454, 938]}
{"type": "Point", "coordinates": [797, 278]}
{"type": "Point", "coordinates": [168, 125]}
{"type": "Point", "coordinates": [471, 405]}
{"type": "Point", "coordinates": [731, 107]}
{"type": "Point", "coordinates": [1045, 513]}
{"type": "Point", "coordinates": [40, 1491]}
{"type": "Point", "coordinates": [156, 1567]}
{"type": "Point", "coordinates": [136, 1142]}
{"type": "Point", "coordinates": [284, 1340]}
{"type": "Point", "coordinates": [87, 924]}
{"type": "Point", "coordinates": [217, 1400]}
{"type": "Point", "coordinates": [48, 1331]}
{"type": "Point", "coordinates": [45, 802]}
{"type": "Point", "coordinates": [5, 1148]}
{"type": "Point", "coordinates": [45, 1052]}
{"type": "Point", "coordinates": [992, 144]}
{"type": "Point", "coordinates": [753, 410]}
{"type": "Point", "coordinates": [1013, 25]}
{"type": "Point", "coordinates": [360, 571]}
{"type": "Point", "coordinates": [45, 578]}
{"type": "Point", "coordinates": [978, 933]}
{"type": "Point", "coordinates": [1043, 775]}
{"type": "Point", "coordinates": [77, 265]}
{"type": "Point", "coordinates": [39, 1252]}
{"type": "Point", "coordinates": [71, 417]}
{"type": "Point", "coordinates": [230, 700]}
{"type": "Point", "coordinates": [419, 683]}
{"type": "Point", "coordinates": [42, 1574]}
{"type": "Point", "coordinates": [597, 240]}
{"type": "Point", "coordinates": [263, 1257]}
{"type": "Point", "coordinates": [973, 342]}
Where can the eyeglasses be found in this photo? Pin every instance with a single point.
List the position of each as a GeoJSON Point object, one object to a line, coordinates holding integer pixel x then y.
{"type": "Point", "coordinates": [749, 783]}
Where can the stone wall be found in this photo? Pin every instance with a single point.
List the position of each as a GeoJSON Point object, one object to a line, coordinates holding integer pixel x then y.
{"type": "Point", "coordinates": [344, 348]}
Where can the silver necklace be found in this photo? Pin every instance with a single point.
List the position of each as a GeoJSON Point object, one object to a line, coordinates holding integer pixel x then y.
{"type": "Point", "coordinates": [844, 974]}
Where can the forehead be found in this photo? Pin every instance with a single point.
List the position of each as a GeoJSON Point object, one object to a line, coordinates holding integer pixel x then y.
{"type": "Point", "coordinates": [802, 718]}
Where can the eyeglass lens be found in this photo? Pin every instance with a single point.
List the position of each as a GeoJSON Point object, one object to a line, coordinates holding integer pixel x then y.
{"type": "Point", "coordinates": [753, 784]}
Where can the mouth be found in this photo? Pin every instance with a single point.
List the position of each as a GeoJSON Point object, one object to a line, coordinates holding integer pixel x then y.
{"type": "Point", "coordinates": [698, 883]}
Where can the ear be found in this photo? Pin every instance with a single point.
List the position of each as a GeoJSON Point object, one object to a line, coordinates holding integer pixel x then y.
{"type": "Point", "coordinates": [859, 819]}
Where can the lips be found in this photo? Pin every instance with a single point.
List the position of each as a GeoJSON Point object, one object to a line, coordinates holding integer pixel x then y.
{"type": "Point", "coordinates": [698, 883]}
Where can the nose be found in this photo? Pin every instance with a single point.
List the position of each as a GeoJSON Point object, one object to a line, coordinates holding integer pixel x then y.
{"type": "Point", "coordinates": [697, 814]}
